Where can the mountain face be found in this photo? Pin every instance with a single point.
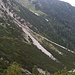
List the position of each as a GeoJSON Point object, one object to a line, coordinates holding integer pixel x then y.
{"type": "Point", "coordinates": [37, 32]}
{"type": "Point", "coordinates": [60, 17]}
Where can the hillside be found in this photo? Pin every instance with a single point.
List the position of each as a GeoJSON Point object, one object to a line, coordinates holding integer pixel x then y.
{"type": "Point", "coordinates": [33, 40]}
{"type": "Point", "coordinates": [60, 19]}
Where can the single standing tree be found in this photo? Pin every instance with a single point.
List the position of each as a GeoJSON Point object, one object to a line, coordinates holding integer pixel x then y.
{"type": "Point", "coordinates": [14, 69]}
{"type": "Point", "coordinates": [34, 70]}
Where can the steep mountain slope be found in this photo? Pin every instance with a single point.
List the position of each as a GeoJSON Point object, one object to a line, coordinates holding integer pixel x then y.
{"type": "Point", "coordinates": [14, 47]}
{"type": "Point", "coordinates": [61, 19]}
{"type": "Point", "coordinates": [22, 39]}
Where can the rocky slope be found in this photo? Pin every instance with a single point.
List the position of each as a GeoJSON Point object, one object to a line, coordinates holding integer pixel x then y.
{"type": "Point", "coordinates": [60, 17]}
{"type": "Point", "coordinates": [22, 41]}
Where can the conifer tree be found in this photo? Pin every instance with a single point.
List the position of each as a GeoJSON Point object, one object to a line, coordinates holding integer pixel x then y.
{"type": "Point", "coordinates": [34, 70]}
{"type": "Point", "coordinates": [14, 69]}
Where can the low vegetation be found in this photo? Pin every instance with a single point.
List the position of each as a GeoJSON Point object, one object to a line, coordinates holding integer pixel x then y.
{"type": "Point", "coordinates": [13, 46]}
{"type": "Point", "coordinates": [59, 28]}
{"type": "Point", "coordinates": [28, 4]}
{"type": "Point", "coordinates": [15, 69]}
